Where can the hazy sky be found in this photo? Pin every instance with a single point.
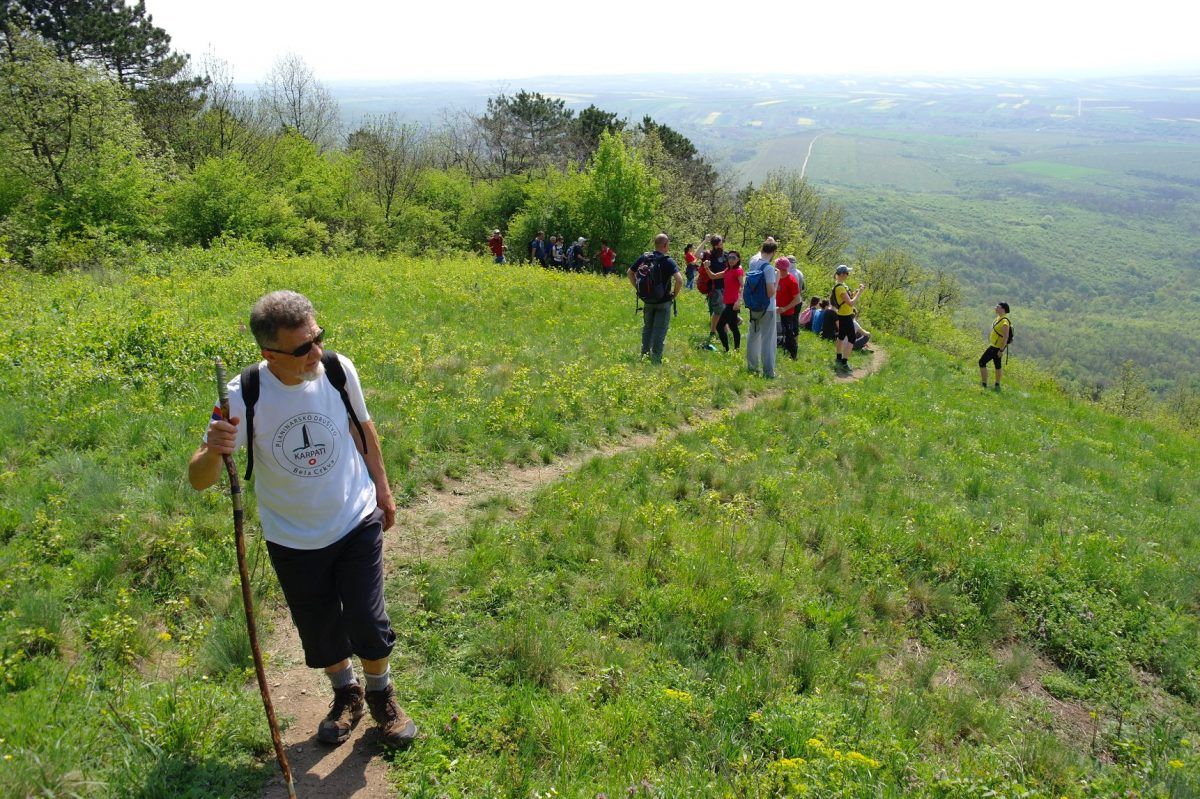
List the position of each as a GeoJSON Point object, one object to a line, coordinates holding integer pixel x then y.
{"type": "Point", "coordinates": [403, 41]}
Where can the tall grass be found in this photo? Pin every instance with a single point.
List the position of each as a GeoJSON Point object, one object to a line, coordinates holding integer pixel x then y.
{"type": "Point", "coordinates": [819, 596]}
{"type": "Point", "coordinates": [731, 613]}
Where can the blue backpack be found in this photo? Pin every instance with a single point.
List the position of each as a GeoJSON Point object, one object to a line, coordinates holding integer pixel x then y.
{"type": "Point", "coordinates": [755, 292]}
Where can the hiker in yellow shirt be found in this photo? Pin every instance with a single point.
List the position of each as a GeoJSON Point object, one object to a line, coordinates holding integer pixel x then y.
{"type": "Point", "coordinates": [841, 302]}
{"type": "Point", "coordinates": [998, 339]}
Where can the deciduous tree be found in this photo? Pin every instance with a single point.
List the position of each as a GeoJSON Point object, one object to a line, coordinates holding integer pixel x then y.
{"type": "Point", "coordinates": [293, 99]}
{"type": "Point", "coordinates": [620, 197]}
{"type": "Point", "coordinates": [392, 156]}
{"type": "Point", "coordinates": [822, 220]}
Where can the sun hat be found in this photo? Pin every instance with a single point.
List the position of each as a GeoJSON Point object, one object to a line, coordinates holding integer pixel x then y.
{"type": "Point", "coordinates": [842, 270]}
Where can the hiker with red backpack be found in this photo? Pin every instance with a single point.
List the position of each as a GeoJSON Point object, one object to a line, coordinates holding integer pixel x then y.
{"type": "Point", "coordinates": [656, 279]}
{"type": "Point", "coordinates": [711, 284]}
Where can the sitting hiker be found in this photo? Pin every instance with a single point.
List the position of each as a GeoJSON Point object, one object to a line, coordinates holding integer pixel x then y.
{"type": "Point", "coordinates": [818, 318]}
{"type": "Point", "coordinates": [861, 337]}
{"type": "Point", "coordinates": [998, 339]}
{"type": "Point", "coordinates": [829, 321]}
{"type": "Point", "coordinates": [806, 316]}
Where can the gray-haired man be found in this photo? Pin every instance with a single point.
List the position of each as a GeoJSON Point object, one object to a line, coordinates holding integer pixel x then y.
{"type": "Point", "coordinates": [323, 502]}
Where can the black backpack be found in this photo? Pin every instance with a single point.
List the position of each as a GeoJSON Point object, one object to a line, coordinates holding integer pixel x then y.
{"type": "Point", "coordinates": [1012, 331]}
{"type": "Point", "coordinates": [334, 373]}
{"type": "Point", "coordinates": [651, 278]}
{"type": "Point", "coordinates": [834, 305]}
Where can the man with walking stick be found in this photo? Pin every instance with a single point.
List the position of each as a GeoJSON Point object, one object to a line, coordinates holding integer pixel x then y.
{"type": "Point", "coordinates": [323, 501]}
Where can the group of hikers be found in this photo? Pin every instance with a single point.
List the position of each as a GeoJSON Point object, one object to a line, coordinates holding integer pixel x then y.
{"type": "Point", "coordinates": [554, 253]}
{"type": "Point", "coordinates": [770, 288]}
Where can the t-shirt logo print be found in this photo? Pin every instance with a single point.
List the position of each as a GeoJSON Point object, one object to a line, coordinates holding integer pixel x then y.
{"type": "Point", "coordinates": [306, 445]}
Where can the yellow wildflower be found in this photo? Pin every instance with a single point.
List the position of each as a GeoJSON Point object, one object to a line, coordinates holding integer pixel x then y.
{"type": "Point", "coordinates": [682, 696]}
{"type": "Point", "coordinates": [859, 757]}
{"type": "Point", "coordinates": [1175, 764]}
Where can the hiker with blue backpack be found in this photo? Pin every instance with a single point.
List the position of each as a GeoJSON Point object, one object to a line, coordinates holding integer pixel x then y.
{"type": "Point", "coordinates": [758, 295]}
{"type": "Point", "coordinates": [656, 279]}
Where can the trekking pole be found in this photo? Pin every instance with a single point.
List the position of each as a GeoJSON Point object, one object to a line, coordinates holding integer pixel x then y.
{"type": "Point", "coordinates": [235, 494]}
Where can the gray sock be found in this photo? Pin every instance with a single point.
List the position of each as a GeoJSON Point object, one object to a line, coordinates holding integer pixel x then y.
{"type": "Point", "coordinates": [378, 682]}
{"type": "Point", "coordinates": [340, 679]}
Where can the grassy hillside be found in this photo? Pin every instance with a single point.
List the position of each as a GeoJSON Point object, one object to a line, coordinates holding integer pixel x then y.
{"type": "Point", "coordinates": [899, 585]}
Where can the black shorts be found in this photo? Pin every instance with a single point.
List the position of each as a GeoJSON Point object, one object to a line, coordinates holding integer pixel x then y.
{"type": "Point", "coordinates": [845, 327]}
{"type": "Point", "coordinates": [990, 354]}
{"type": "Point", "coordinates": [335, 595]}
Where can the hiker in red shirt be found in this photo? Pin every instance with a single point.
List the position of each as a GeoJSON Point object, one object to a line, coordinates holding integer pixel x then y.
{"type": "Point", "coordinates": [608, 257]}
{"type": "Point", "coordinates": [689, 255]}
{"type": "Point", "coordinates": [787, 297]}
{"type": "Point", "coordinates": [496, 243]}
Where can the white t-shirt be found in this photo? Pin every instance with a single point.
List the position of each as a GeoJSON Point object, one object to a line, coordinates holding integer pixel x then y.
{"type": "Point", "coordinates": [311, 483]}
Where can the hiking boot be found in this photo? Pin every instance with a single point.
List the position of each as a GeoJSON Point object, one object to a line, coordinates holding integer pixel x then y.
{"type": "Point", "coordinates": [996, 387]}
{"type": "Point", "coordinates": [344, 712]}
{"type": "Point", "coordinates": [395, 727]}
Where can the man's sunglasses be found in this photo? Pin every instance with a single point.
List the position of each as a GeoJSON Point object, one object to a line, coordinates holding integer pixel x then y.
{"type": "Point", "coordinates": [304, 348]}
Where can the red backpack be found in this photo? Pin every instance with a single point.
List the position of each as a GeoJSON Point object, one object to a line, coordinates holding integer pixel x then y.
{"type": "Point", "coordinates": [703, 282]}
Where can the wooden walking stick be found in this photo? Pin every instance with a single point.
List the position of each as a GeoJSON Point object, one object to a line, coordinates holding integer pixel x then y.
{"type": "Point", "coordinates": [235, 494]}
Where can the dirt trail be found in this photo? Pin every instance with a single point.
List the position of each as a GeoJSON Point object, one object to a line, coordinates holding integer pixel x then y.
{"type": "Point", "coordinates": [424, 528]}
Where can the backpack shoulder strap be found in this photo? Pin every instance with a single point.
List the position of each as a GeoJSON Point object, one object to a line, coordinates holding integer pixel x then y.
{"type": "Point", "coordinates": [337, 378]}
{"type": "Point", "coordinates": [1003, 320]}
{"type": "Point", "coordinates": [250, 387]}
